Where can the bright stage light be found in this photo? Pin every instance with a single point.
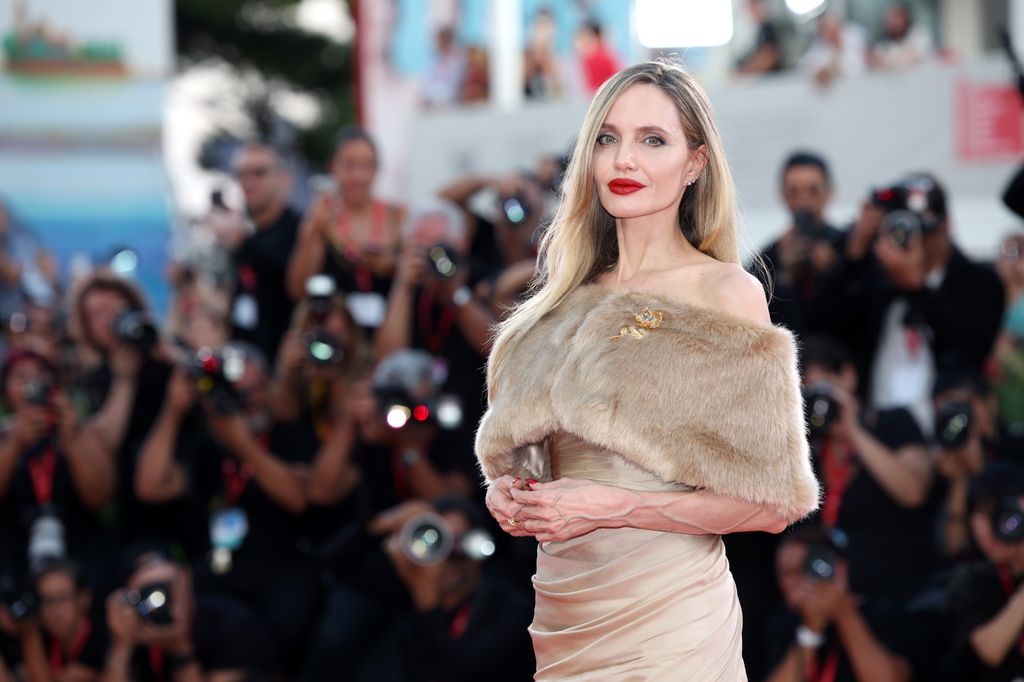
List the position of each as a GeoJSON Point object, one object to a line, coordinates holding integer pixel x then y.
{"type": "Point", "coordinates": [683, 23]}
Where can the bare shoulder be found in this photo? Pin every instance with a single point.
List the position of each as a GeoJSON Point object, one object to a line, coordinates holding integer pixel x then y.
{"type": "Point", "coordinates": [728, 288]}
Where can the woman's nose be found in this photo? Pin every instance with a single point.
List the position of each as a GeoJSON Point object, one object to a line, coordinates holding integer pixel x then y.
{"type": "Point", "coordinates": [624, 157]}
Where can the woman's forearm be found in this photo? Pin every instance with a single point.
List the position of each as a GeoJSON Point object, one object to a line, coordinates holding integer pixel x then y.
{"type": "Point", "coordinates": [306, 261]}
{"type": "Point", "coordinates": [698, 512]}
{"type": "Point", "coordinates": [158, 478]}
{"type": "Point", "coordinates": [993, 640]}
{"type": "Point", "coordinates": [110, 424]}
{"type": "Point", "coordinates": [870, 659]}
{"type": "Point", "coordinates": [333, 476]}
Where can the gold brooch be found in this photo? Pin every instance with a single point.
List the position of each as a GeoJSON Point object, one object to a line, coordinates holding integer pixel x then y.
{"type": "Point", "coordinates": [645, 319]}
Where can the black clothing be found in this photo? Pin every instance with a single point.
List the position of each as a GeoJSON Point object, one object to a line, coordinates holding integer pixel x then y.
{"type": "Point", "coordinates": [962, 316]}
{"type": "Point", "coordinates": [977, 595]}
{"type": "Point", "coordinates": [767, 35]}
{"type": "Point", "coordinates": [136, 520]}
{"type": "Point", "coordinates": [261, 263]}
{"type": "Point", "coordinates": [792, 296]}
{"type": "Point", "coordinates": [889, 627]}
{"type": "Point", "coordinates": [226, 636]}
{"type": "Point", "coordinates": [891, 547]}
{"type": "Point", "coordinates": [90, 653]}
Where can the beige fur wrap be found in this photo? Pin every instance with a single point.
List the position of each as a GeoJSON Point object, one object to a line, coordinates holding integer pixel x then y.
{"type": "Point", "coordinates": [704, 398]}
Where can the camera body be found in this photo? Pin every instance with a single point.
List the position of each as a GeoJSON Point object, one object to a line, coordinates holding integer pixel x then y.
{"type": "Point", "coordinates": [21, 602]}
{"type": "Point", "coordinates": [953, 424]}
{"type": "Point", "coordinates": [39, 392]}
{"type": "Point", "coordinates": [135, 328]}
{"type": "Point", "coordinates": [400, 408]}
{"type": "Point", "coordinates": [444, 260]}
{"type": "Point", "coordinates": [907, 210]}
{"type": "Point", "coordinates": [152, 603]}
{"type": "Point", "coordinates": [216, 374]}
{"type": "Point", "coordinates": [1008, 521]}
{"type": "Point", "coordinates": [821, 408]}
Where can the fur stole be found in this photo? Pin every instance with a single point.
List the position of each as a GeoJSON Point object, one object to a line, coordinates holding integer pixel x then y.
{"type": "Point", "coordinates": [705, 398]}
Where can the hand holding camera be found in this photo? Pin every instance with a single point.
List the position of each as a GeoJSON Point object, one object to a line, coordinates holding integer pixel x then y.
{"type": "Point", "coordinates": [824, 589]}
{"type": "Point", "coordinates": [960, 454]}
{"type": "Point", "coordinates": [903, 261]}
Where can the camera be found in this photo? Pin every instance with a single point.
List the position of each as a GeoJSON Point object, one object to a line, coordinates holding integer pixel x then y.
{"type": "Point", "coordinates": [445, 260]}
{"type": "Point", "coordinates": [45, 539]}
{"type": "Point", "coordinates": [216, 373]}
{"type": "Point", "coordinates": [1008, 521]}
{"type": "Point", "coordinates": [152, 603]}
{"type": "Point", "coordinates": [907, 209]}
{"type": "Point", "coordinates": [515, 208]}
{"type": "Point", "coordinates": [39, 392]}
{"type": "Point", "coordinates": [21, 602]}
{"type": "Point", "coordinates": [323, 348]}
{"type": "Point", "coordinates": [807, 226]}
{"type": "Point", "coordinates": [821, 562]}
{"type": "Point", "coordinates": [135, 328]}
{"type": "Point", "coordinates": [320, 289]}
{"type": "Point", "coordinates": [953, 424]}
{"type": "Point", "coordinates": [821, 408]}
{"type": "Point", "coordinates": [428, 539]}
{"type": "Point", "coordinates": [399, 408]}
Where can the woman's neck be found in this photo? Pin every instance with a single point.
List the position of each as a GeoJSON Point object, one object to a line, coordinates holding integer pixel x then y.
{"type": "Point", "coordinates": [649, 244]}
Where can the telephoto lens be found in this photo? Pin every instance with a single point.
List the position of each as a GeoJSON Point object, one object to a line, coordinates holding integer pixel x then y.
{"type": "Point", "coordinates": [900, 227]}
{"type": "Point", "coordinates": [39, 393]}
{"type": "Point", "coordinates": [821, 408]}
{"type": "Point", "coordinates": [1008, 521]}
{"type": "Point", "coordinates": [428, 539]}
{"type": "Point", "coordinates": [152, 602]}
{"type": "Point", "coordinates": [135, 328]}
{"type": "Point", "coordinates": [953, 424]}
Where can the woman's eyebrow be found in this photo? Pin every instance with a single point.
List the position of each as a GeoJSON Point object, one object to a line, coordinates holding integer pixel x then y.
{"type": "Point", "coordinates": [643, 129]}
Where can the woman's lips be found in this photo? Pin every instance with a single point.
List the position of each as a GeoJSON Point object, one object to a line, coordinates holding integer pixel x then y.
{"type": "Point", "coordinates": [623, 186]}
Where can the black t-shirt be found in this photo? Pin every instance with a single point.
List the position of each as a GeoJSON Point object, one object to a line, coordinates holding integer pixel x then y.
{"type": "Point", "coordinates": [91, 652]}
{"type": "Point", "coordinates": [261, 263]}
{"type": "Point", "coordinates": [767, 35]}
{"type": "Point", "coordinates": [273, 531]}
{"type": "Point", "coordinates": [977, 595]}
{"type": "Point", "coordinates": [891, 547]}
{"type": "Point", "coordinates": [135, 519]}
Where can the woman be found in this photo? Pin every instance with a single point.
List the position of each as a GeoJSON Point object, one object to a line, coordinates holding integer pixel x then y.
{"type": "Point", "coordinates": [641, 403]}
{"type": "Point", "coordinates": [350, 235]}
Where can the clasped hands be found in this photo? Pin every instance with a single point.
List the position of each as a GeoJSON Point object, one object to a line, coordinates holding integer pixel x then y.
{"type": "Point", "coordinates": [553, 511]}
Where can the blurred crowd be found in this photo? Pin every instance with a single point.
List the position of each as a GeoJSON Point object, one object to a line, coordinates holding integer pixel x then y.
{"type": "Point", "coordinates": [277, 480]}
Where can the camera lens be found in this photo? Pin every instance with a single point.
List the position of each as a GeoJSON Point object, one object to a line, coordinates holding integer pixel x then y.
{"type": "Point", "coordinates": [427, 539]}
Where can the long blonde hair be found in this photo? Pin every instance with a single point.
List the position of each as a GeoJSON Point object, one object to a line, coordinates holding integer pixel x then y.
{"type": "Point", "coordinates": [581, 242]}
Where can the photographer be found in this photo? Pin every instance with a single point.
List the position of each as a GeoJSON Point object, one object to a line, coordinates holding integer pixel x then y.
{"type": "Point", "coordinates": [321, 356]}
{"type": "Point", "coordinates": [432, 308]}
{"type": "Point", "coordinates": [350, 235]}
{"type": "Point", "coordinates": [111, 326]}
{"type": "Point", "coordinates": [466, 623]}
{"type": "Point", "coordinates": [876, 474]}
{"type": "Point", "coordinates": [67, 643]}
{"type": "Point", "coordinates": [161, 629]}
{"type": "Point", "coordinates": [912, 301]}
{"type": "Point", "coordinates": [53, 478]}
{"type": "Point", "coordinates": [250, 474]}
{"type": "Point", "coordinates": [966, 438]}
{"type": "Point", "coordinates": [824, 632]}
{"type": "Point", "coordinates": [261, 307]}
{"type": "Point", "coordinates": [986, 598]}
{"type": "Point", "coordinates": [807, 248]}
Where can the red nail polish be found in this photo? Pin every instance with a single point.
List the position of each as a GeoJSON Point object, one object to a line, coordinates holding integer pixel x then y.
{"type": "Point", "coordinates": [531, 481]}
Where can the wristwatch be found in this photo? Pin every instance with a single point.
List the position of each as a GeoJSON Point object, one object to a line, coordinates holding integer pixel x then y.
{"type": "Point", "coordinates": [807, 637]}
{"type": "Point", "coordinates": [462, 296]}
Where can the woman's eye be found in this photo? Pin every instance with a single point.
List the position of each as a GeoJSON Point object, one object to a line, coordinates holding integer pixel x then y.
{"type": "Point", "coordinates": [605, 138]}
{"type": "Point", "coordinates": [654, 141]}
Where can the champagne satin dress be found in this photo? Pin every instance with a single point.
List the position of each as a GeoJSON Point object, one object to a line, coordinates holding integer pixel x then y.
{"type": "Point", "coordinates": [628, 604]}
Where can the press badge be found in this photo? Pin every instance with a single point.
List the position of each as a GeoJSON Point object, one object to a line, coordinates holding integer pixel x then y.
{"type": "Point", "coordinates": [245, 314]}
{"type": "Point", "coordinates": [367, 308]}
{"type": "Point", "coordinates": [228, 529]}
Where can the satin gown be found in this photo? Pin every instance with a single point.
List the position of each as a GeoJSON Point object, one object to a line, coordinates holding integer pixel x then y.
{"type": "Point", "coordinates": [629, 604]}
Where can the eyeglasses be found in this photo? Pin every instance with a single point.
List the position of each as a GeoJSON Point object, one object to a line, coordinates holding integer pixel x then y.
{"type": "Point", "coordinates": [254, 172]}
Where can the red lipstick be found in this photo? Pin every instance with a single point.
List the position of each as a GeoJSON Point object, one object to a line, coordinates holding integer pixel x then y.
{"type": "Point", "coordinates": [625, 186]}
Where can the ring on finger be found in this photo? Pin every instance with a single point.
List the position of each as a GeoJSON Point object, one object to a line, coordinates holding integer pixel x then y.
{"type": "Point", "coordinates": [512, 521]}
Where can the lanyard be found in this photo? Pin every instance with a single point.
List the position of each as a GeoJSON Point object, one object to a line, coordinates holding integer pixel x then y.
{"type": "Point", "coordinates": [42, 470]}
{"type": "Point", "coordinates": [434, 337]}
{"type": "Point", "coordinates": [247, 278]}
{"type": "Point", "coordinates": [827, 673]}
{"type": "Point", "coordinates": [57, 662]}
{"type": "Point", "coordinates": [236, 479]}
{"type": "Point", "coordinates": [460, 621]}
{"type": "Point", "coordinates": [838, 467]}
{"type": "Point", "coordinates": [1007, 582]}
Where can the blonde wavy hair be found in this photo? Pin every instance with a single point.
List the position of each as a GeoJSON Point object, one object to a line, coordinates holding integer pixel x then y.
{"type": "Point", "coordinates": [581, 242]}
